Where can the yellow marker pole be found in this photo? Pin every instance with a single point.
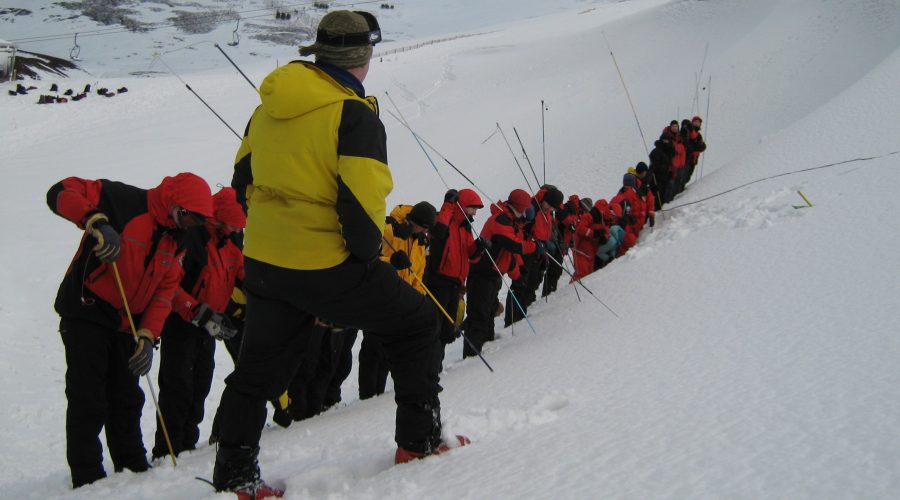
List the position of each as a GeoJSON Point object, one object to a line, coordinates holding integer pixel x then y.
{"type": "Point", "coordinates": [162, 423]}
{"type": "Point", "coordinates": [804, 198]}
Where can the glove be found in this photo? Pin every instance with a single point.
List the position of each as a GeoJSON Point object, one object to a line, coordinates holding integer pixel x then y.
{"type": "Point", "coordinates": [139, 363]}
{"type": "Point", "coordinates": [552, 247]}
{"type": "Point", "coordinates": [483, 244]}
{"type": "Point", "coordinates": [216, 325]}
{"type": "Point", "coordinates": [600, 236]}
{"type": "Point", "coordinates": [540, 248]}
{"type": "Point", "coordinates": [400, 260]}
{"type": "Point", "coordinates": [108, 244]}
{"type": "Point", "coordinates": [451, 196]}
{"type": "Point", "coordinates": [651, 219]}
{"type": "Point", "coordinates": [402, 231]}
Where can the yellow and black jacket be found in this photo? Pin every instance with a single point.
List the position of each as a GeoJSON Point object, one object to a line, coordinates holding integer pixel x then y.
{"type": "Point", "coordinates": [414, 247]}
{"type": "Point", "coordinates": [312, 172]}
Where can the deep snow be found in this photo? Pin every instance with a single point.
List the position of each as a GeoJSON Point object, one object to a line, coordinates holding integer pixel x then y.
{"type": "Point", "coordinates": [755, 352]}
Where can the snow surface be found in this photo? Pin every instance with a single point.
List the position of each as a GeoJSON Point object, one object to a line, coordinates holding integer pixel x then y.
{"type": "Point", "coordinates": [755, 353]}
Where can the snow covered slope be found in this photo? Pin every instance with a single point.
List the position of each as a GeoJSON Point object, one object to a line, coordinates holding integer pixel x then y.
{"type": "Point", "coordinates": [755, 350]}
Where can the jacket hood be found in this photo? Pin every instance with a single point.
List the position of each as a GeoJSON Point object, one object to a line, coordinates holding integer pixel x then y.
{"type": "Point", "coordinates": [298, 88]}
{"type": "Point", "coordinates": [400, 212]}
{"type": "Point", "coordinates": [227, 209]}
{"type": "Point", "coordinates": [185, 190]}
{"type": "Point", "coordinates": [469, 198]}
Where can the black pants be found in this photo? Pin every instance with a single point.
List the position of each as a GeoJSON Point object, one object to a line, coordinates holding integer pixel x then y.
{"type": "Point", "coordinates": [538, 266]}
{"type": "Point", "coordinates": [282, 305]}
{"type": "Point", "coordinates": [481, 304]}
{"type": "Point", "coordinates": [523, 295]}
{"type": "Point", "coordinates": [554, 271]}
{"type": "Point", "coordinates": [185, 375]}
{"type": "Point", "coordinates": [373, 368]}
{"type": "Point", "coordinates": [334, 367]}
{"type": "Point", "coordinates": [102, 393]}
{"type": "Point", "coordinates": [446, 292]}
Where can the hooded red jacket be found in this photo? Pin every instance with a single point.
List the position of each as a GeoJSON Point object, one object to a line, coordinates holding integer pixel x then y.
{"type": "Point", "coordinates": [507, 244]}
{"type": "Point", "coordinates": [628, 197]}
{"type": "Point", "coordinates": [451, 240]}
{"type": "Point", "coordinates": [213, 264]}
{"type": "Point", "coordinates": [149, 261]}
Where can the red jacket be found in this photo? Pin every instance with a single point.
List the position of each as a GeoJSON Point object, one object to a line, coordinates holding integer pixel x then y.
{"type": "Point", "coordinates": [212, 265]}
{"type": "Point", "coordinates": [680, 157]}
{"type": "Point", "coordinates": [507, 245]}
{"type": "Point", "coordinates": [451, 240]}
{"type": "Point", "coordinates": [149, 261]}
{"type": "Point", "coordinates": [628, 199]}
{"type": "Point", "coordinates": [542, 229]}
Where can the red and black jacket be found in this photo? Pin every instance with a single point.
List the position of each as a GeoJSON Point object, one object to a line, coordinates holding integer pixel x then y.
{"type": "Point", "coordinates": [213, 264]}
{"type": "Point", "coordinates": [593, 230]}
{"type": "Point", "coordinates": [452, 245]}
{"type": "Point", "coordinates": [149, 261]}
{"type": "Point", "coordinates": [567, 218]}
{"type": "Point", "coordinates": [542, 228]}
{"type": "Point", "coordinates": [694, 145]}
{"type": "Point", "coordinates": [629, 208]}
{"type": "Point", "coordinates": [507, 244]}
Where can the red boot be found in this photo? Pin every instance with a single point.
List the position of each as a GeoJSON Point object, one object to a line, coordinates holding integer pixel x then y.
{"type": "Point", "coordinates": [403, 455]}
{"type": "Point", "coordinates": [257, 491]}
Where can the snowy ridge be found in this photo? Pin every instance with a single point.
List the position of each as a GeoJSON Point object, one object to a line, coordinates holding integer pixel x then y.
{"type": "Point", "coordinates": [755, 353]}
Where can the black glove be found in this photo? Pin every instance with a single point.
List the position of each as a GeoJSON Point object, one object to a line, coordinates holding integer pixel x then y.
{"type": "Point", "coordinates": [600, 236]}
{"type": "Point", "coordinates": [400, 260]}
{"type": "Point", "coordinates": [483, 244]}
{"type": "Point", "coordinates": [139, 363]}
{"type": "Point", "coordinates": [438, 231]}
{"type": "Point", "coordinates": [402, 231]}
{"type": "Point", "coordinates": [451, 196]}
{"type": "Point", "coordinates": [651, 219]}
{"type": "Point", "coordinates": [541, 248]}
{"type": "Point", "coordinates": [216, 325]}
{"type": "Point", "coordinates": [108, 244]}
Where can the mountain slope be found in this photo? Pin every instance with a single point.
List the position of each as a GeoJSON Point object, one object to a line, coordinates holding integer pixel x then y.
{"type": "Point", "coordinates": [754, 352]}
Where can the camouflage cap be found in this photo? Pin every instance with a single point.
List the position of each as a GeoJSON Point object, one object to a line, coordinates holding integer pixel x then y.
{"type": "Point", "coordinates": [333, 47]}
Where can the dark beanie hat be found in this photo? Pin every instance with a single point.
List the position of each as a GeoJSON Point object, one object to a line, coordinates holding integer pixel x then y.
{"type": "Point", "coordinates": [422, 214]}
{"type": "Point", "coordinates": [332, 47]}
{"type": "Point", "coordinates": [553, 197]}
{"type": "Point", "coordinates": [629, 180]}
{"type": "Point", "coordinates": [641, 167]}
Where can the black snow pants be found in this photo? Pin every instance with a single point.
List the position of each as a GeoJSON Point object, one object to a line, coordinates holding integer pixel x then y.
{"type": "Point", "coordinates": [282, 305]}
{"type": "Point", "coordinates": [185, 375]}
{"type": "Point", "coordinates": [481, 304]}
{"type": "Point", "coordinates": [102, 393]}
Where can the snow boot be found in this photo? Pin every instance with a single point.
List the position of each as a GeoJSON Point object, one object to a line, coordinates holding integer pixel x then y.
{"type": "Point", "coordinates": [403, 455]}
{"type": "Point", "coordinates": [237, 470]}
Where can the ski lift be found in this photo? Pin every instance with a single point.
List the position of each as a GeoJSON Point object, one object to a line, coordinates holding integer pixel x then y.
{"type": "Point", "coordinates": [235, 37]}
{"type": "Point", "coordinates": [76, 50]}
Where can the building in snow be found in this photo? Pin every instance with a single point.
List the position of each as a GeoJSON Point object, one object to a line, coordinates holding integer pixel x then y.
{"type": "Point", "coordinates": [7, 60]}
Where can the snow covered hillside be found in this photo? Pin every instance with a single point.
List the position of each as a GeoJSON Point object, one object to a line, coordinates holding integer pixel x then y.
{"type": "Point", "coordinates": [755, 349]}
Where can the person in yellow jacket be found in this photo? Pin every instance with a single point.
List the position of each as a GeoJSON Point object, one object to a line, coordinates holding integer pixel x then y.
{"type": "Point", "coordinates": [405, 248]}
{"type": "Point", "coordinates": [312, 173]}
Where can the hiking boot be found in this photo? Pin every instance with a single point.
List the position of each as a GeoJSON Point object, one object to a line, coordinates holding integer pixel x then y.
{"type": "Point", "coordinates": [237, 470]}
{"type": "Point", "coordinates": [257, 490]}
{"type": "Point", "coordinates": [403, 455]}
{"type": "Point", "coordinates": [137, 465]}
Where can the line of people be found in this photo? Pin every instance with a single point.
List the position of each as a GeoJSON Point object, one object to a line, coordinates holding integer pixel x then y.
{"type": "Point", "coordinates": [318, 262]}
